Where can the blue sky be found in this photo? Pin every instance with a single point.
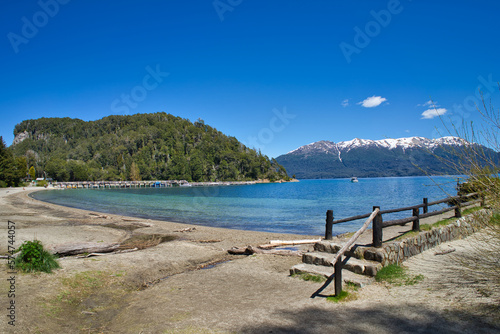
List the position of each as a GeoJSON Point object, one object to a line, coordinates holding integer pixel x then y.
{"type": "Point", "coordinates": [275, 74]}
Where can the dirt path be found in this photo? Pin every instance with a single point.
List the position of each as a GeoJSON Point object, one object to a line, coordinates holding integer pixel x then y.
{"type": "Point", "coordinates": [165, 290]}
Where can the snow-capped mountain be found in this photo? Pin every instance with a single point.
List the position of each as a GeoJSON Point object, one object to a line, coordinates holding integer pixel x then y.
{"type": "Point", "coordinates": [403, 143]}
{"type": "Point", "coordinates": [372, 158]}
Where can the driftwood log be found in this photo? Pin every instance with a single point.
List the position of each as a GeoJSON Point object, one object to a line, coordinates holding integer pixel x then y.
{"type": "Point", "coordinates": [187, 229]}
{"type": "Point", "coordinates": [451, 250]}
{"type": "Point", "coordinates": [278, 243]}
{"type": "Point", "coordinates": [249, 250]}
{"type": "Point", "coordinates": [96, 215]}
{"type": "Point", "coordinates": [112, 253]}
{"type": "Point", "coordinates": [83, 247]}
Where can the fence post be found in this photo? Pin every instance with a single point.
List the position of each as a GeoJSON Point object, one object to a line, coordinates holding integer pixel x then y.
{"type": "Point", "coordinates": [338, 276]}
{"type": "Point", "coordinates": [377, 229]}
{"type": "Point", "coordinates": [426, 204]}
{"type": "Point", "coordinates": [329, 225]}
{"type": "Point", "coordinates": [416, 222]}
{"type": "Point", "coordinates": [458, 212]}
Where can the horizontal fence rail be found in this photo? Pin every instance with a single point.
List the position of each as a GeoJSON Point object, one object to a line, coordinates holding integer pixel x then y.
{"type": "Point", "coordinates": [455, 203]}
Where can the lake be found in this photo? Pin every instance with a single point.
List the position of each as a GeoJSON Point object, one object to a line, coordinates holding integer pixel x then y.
{"type": "Point", "coordinates": [295, 207]}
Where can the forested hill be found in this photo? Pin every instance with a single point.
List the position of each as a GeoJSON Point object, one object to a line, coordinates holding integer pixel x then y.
{"type": "Point", "coordinates": [141, 146]}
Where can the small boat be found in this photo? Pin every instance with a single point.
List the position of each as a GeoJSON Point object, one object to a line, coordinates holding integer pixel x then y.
{"type": "Point", "coordinates": [354, 179]}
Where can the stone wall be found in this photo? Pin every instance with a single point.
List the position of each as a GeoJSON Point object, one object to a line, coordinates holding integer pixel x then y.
{"type": "Point", "coordinates": [399, 251]}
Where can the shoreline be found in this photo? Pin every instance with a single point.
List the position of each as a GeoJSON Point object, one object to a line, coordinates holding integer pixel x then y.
{"type": "Point", "coordinates": [225, 222]}
{"type": "Point", "coordinates": [86, 217]}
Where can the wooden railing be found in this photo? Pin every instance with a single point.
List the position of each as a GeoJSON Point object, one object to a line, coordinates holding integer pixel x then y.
{"type": "Point", "coordinates": [375, 217]}
{"type": "Point", "coordinates": [337, 261]}
{"type": "Point", "coordinates": [455, 203]}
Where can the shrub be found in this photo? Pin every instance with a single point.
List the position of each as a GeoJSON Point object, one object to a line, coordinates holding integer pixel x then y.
{"type": "Point", "coordinates": [34, 258]}
{"type": "Point", "coordinates": [42, 183]}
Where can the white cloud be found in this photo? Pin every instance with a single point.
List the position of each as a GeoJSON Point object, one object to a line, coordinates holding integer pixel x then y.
{"type": "Point", "coordinates": [429, 103]}
{"type": "Point", "coordinates": [373, 101]}
{"type": "Point", "coordinates": [345, 103]}
{"type": "Point", "coordinates": [434, 112]}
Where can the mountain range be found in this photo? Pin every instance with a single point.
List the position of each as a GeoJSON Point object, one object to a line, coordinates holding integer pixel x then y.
{"type": "Point", "coordinates": [410, 156]}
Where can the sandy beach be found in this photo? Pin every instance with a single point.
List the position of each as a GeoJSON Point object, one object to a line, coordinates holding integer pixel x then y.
{"type": "Point", "coordinates": [192, 285]}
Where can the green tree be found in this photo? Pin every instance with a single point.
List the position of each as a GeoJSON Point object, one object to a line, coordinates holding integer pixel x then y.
{"type": "Point", "coordinates": [56, 168]}
{"type": "Point", "coordinates": [77, 171]}
{"type": "Point", "coordinates": [21, 168]}
{"type": "Point", "coordinates": [32, 172]}
{"type": "Point", "coordinates": [12, 170]}
{"type": "Point", "coordinates": [135, 174]}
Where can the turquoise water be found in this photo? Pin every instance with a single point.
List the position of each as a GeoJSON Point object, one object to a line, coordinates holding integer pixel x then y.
{"type": "Point", "coordinates": [298, 207]}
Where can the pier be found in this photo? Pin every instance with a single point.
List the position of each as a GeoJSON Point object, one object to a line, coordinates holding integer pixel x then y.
{"type": "Point", "coordinates": [143, 184]}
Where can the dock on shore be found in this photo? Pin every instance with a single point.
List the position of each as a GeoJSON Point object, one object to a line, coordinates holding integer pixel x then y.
{"type": "Point", "coordinates": [143, 184]}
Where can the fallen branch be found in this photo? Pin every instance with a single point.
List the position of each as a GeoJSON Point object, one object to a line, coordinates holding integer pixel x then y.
{"type": "Point", "coordinates": [112, 253]}
{"type": "Point", "coordinates": [208, 241]}
{"type": "Point", "coordinates": [249, 250]}
{"type": "Point", "coordinates": [187, 229]}
{"type": "Point", "coordinates": [445, 252]}
{"type": "Point", "coordinates": [277, 243]}
{"type": "Point", "coordinates": [82, 247]}
{"type": "Point", "coordinates": [96, 215]}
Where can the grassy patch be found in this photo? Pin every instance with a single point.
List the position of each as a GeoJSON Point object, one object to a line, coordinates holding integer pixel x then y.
{"type": "Point", "coordinates": [341, 297]}
{"type": "Point", "coordinates": [444, 222]}
{"type": "Point", "coordinates": [310, 277]}
{"type": "Point", "coordinates": [408, 234]}
{"type": "Point", "coordinates": [347, 235]}
{"type": "Point", "coordinates": [352, 286]}
{"type": "Point", "coordinates": [90, 291]}
{"type": "Point", "coordinates": [348, 293]}
{"type": "Point", "coordinates": [495, 219]}
{"type": "Point", "coordinates": [397, 275]}
{"type": "Point", "coordinates": [414, 280]}
{"type": "Point", "coordinates": [471, 210]}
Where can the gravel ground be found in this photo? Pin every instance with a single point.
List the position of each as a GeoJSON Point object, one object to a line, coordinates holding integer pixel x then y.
{"type": "Point", "coordinates": [191, 284]}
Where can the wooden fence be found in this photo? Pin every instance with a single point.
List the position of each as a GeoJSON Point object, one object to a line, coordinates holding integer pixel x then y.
{"type": "Point", "coordinates": [375, 217]}
{"type": "Point", "coordinates": [455, 203]}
